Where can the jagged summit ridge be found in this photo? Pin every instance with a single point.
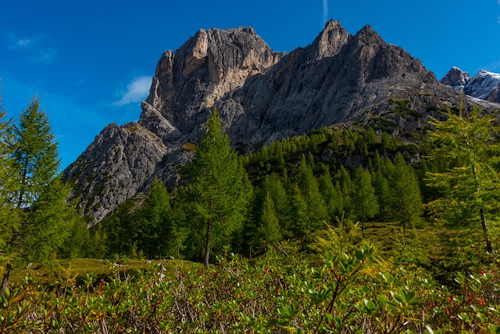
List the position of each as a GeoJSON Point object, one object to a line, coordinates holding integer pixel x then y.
{"type": "Point", "coordinates": [484, 85]}
{"type": "Point", "coordinates": [208, 66]}
{"type": "Point", "coordinates": [456, 78]}
{"type": "Point", "coordinates": [262, 96]}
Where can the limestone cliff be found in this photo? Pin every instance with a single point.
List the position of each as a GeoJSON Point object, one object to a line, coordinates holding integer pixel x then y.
{"type": "Point", "coordinates": [262, 96]}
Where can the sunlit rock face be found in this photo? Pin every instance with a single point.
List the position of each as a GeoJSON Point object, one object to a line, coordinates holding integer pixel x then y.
{"type": "Point", "coordinates": [262, 96]}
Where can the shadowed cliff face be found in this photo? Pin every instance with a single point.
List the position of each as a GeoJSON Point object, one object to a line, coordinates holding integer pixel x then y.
{"type": "Point", "coordinates": [262, 96]}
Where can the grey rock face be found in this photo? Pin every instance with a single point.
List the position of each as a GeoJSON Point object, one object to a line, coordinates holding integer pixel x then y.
{"type": "Point", "coordinates": [120, 162]}
{"type": "Point", "coordinates": [262, 96]}
{"type": "Point", "coordinates": [485, 86]}
{"type": "Point", "coordinates": [456, 78]}
{"type": "Point", "coordinates": [208, 66]}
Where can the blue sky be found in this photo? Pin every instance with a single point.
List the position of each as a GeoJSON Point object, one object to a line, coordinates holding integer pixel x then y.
{"type": "Point", "coordinates": [91, 62]}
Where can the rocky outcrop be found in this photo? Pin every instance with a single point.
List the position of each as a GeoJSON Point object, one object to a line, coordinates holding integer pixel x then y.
{"type": "Point", "coordinates": [120, 162]}
{"type": "Point", "coordinates": [485, 86]}
{"type": "Point", "coordinates": [262, 96]}
{"type": "Point", "coordinates": [456, 78]}
{"type": "Point", "coordinates": [191, 79]}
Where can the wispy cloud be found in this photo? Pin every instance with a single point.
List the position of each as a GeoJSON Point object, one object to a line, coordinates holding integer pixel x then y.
{"type": "Point", "coordinates": [137, 90]}
{"type": "Point", "coordinates": [493, 67]}
{"type": "Point", "coordinates": [35, 49]}
{"type": "Point", "coordinates": [325, 10]}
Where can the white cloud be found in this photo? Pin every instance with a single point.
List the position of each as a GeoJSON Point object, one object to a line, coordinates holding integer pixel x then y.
{"type": "Point", "coordinates": [325, 10]}
{"type": "Point", "coordinates": [36, 49]}
{"type": "Point", "coordinates": [137, 90]}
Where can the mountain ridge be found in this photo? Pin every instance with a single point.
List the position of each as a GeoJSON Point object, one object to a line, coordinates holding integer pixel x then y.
{"type": "Point", "coordinates": [262, 96]}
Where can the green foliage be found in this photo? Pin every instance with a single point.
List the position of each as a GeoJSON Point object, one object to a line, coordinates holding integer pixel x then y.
{"type": "Point", "coordinates": [39, 218]}
{"type": "Point", "coordinates": [363, 197]}
{"type": "Point", "coordinates": [405, 198]}
{"type": "Point", "coordinates": [269, 230]}
{"type": "Point", "coordinates": [119, 230]}
{"type": "Point", "coordinates": [156, 225]}
{"type": "Point", "coordinates": [471, 188]}
{"type": "Point", "coordinates": [35, 154]}
{"type": "Point", "coordinates": [350, 291]}
{"type": "Point", "coordinates": [216, 186]}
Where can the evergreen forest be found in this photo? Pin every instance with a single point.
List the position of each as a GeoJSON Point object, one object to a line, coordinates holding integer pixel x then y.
{"type": "Point", "coordinates": [340, 230]}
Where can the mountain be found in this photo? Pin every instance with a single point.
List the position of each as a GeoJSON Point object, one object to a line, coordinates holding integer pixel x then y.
{"type": "Point", "coordinates": [456, 78]}
{"type": "Point", "coordinates": [484, 85]}
{"type": "Point", "coordinates": [262, 96]}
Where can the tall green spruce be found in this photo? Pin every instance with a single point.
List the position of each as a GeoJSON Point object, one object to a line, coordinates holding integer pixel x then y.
{"type": "Point", "coordinates": [41, 217]}
{"type": "Point", "coordinates": [471, 189]}
{"type": "Point", "coordinates": [216, 186]}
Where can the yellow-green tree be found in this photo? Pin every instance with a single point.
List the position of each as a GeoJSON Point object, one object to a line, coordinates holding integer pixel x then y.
{"type": "Point", "coordinates": [40, 217]}
{"type": "Point", "coordinates": [471, 189]}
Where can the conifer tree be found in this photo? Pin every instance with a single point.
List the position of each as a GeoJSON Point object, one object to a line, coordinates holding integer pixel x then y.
{"type": "Point", "coordinates": [273, 185]}
{"type": "Point", "coordinates": [7, 181]}
{"type": "Point", "coordinates": [48, 223]}
{"type": "Point", "coordinates": [331, 196]}
{"type": "Point", "coordinates": [121, 229]}
{"type": "Point", "coordinates": [346, 186]}
{"type": "Point", "coordinates": [156, 224]}
{"type": "Point", "coordinates": [38, 198]}
{"type": "Point", "coordinates": [300, 223]}
{"type": "Point", "coordinates": [216, 185]}
{"type": "Point", "coordinates": [381, 186]}
{"type": "Point", "coordinates": [363, 197]}
{"type": "Point", "coordinates": [269, 230]}
{"type": "Point", "coordinates": [406, 201]}
{"type": "Point", "coordinates": [317, 212]}
{"type": "Point", "coordinates": [473, 185]}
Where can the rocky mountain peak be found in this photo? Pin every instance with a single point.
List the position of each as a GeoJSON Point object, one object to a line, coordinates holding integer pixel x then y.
{"type": "Point", "coordinates": [484, 85]}
{"type": "Point", "coordinates": [209, 65]}
{"type": "Point", "coordinates": [368, 36]}
{"type": "Point", "coordinates": [456, 78]}
{"type": "Point", "coordinates": [330, 40]}
{"type": "Point", "coordinates": [262, 96]}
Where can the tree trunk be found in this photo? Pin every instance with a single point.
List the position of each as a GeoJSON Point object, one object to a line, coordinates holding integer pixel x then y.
{"type": "Point", "coordinates": [6, 276]}
{"type": "Point", "coordinates": [207, 245]}
{"type": "Point", "coordinates": [363, 226]}
{"type": "Point", "coordinates": [484, 225]}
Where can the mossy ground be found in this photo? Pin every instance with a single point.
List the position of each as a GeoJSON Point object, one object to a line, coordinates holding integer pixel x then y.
{"type": "Point", "coordinates": [78, 268]}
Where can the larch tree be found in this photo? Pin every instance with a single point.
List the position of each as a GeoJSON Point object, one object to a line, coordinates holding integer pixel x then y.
{"type": "Point", "coordinates": [39, 197]}
{"type": "Point", "coordinates": [404, 191]}
{"type": "Point", "coordinates": [363, 197]}
{"type": "Point", "coordinates": [269, 230]}
{"type": "Point", "coordinates": [216, 185]}
{"type": "Point", "coordinates": [317, 212]}
{"type": "Point", "coordinates": [156, 223]}
{"type": "Point", "coordinates": [7, 182]}
{"type": "Point", "coordinates": [472, 187]}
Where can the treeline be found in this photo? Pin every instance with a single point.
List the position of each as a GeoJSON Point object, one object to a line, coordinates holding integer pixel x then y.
{"type": "Point", "coordinates": [287, 190]}
{"type": "Point", "coordinates": [243, 204]}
